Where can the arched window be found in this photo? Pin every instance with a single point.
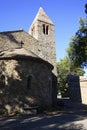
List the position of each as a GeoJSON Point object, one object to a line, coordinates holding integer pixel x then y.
{"type": "Point", "coordinates": [29, 79]}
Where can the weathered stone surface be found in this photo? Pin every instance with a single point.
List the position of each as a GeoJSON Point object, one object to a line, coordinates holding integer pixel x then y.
{"type": "Point", "coordinates": [74, 88]}
{"type": "Point", "coordinates": [26, 77]}
{"type": "Point", "coordinates": [83, 87]}
{"type": "Point", "coordinates": [17, 93]}
{"type": "Point", "coordinates": [78, 88]}
{"type": "Point", "coordinates": [42, 29]}
{"type": "Point", "coordinates": [46, 47]}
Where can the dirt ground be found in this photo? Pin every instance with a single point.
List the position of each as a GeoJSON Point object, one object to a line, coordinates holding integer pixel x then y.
{"type": "Point", "coordinates": [72, 116]}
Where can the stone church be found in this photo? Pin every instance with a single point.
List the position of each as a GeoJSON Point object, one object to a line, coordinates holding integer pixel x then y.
{"type": "Point", "coordinates": [28, 66]}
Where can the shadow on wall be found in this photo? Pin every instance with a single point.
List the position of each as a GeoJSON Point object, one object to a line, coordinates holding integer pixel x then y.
{"type": "Point", "coordinates": [54, 90]}
{"type": "Point", "coordinates": [15, 91]}
{"type": "Point", "coordinates": [74, 89]}
{"type": "Point", "coordinates": [26, 85]}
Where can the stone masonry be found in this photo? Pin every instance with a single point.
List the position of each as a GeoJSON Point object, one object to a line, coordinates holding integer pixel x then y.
{"type": "Point", "coordinates": [24, 82]}
{"type": "Point", "coordinates": [42, 29]}
{"type": "Point", "coordinates": [28, 74]}
{"type": "Point", "coordinates": [46, 46]}
{"type": "Point", "coordinates": [77, 88]}
{"type": "Point", "coordinates": [83, 87]}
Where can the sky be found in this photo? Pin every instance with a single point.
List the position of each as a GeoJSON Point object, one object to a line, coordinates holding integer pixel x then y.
{"type": "Point", "coordinates": [19, 14]}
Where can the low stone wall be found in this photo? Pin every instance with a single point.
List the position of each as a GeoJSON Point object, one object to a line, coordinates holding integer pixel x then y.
{"type": "Point", "coordinates": [77, 88]}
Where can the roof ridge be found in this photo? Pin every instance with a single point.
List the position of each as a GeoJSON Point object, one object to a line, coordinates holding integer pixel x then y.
{"type": "Point", "coordinates": [42, 16]}
{"type": "Point", "coordinates": [20, 30]}
{"type": "Point", "coordinates": [31, 52]}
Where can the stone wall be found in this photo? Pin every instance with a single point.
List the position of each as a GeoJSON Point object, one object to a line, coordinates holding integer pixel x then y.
{"type": "Point", "coordinates": [77, 88]}
{"type": "Point", "coordinates": [46, 46]}
{"type": "Point", "coordinates": [83, 87]}
{"type": "Point", "coordinates": [74, 88]}
{"type": "Point", "coordinates": [25, 83]}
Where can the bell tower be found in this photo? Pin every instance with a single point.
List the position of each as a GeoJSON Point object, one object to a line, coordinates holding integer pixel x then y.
{"type": "Point", "coordinates": [42, 29]}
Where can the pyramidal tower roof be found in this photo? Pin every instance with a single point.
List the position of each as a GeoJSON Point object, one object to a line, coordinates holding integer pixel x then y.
{"type": "Point", "coordinates": [42, 16]}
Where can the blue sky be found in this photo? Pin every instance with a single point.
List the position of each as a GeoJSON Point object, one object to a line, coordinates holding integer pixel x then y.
{"type": "Point", "coordinates": [16, 14]}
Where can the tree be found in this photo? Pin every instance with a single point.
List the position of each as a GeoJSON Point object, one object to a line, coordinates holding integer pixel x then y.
{"type": "Point", "coordinates": [62, 71]}
{"type": "Point", "coordinates": [77, 50]}
{"type": "Point", "coordinates": [64, 68]}
{"type": "Point", "coordinates": [76, 56]}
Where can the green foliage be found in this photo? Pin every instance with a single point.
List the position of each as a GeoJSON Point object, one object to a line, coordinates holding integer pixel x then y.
{"type": "Point", "coordinates": [77, 50]}
{"type": "Point", "coordinates": [64, 68]}
{"type": "Point", "coordinates": [76, 57]}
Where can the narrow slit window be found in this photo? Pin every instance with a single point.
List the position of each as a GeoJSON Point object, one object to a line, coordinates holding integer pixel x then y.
{"type": "Point", "coordinates": [44, 28]}
{"type": "Point", "coordinates": [47, 30]}
{"type": "Point", "coordinates": [29, 79]}
{"type": "Point", "coordinates": [2, 80]}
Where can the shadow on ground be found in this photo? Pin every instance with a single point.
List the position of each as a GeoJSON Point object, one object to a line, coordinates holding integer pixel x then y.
{"type": "Point", "coordinates": [70, 118]}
